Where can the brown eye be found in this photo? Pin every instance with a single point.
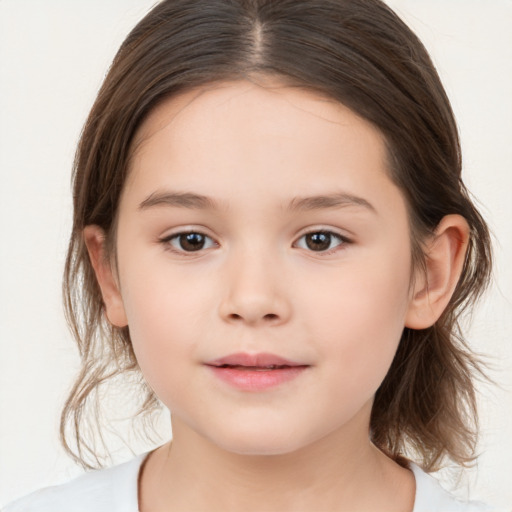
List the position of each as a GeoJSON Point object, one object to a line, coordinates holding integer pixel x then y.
{"type": "Point", "coordinates": [189, 242]}
{"type": "Point", "coordinates": [320, 241]}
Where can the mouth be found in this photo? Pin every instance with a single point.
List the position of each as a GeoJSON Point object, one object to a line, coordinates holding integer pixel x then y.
{"type": "Point", "coordinates": [256, 368]}
{"type": "Point", "coordinates": [262, 361]}
{"type": "Point", "coordinates": [256, 372]}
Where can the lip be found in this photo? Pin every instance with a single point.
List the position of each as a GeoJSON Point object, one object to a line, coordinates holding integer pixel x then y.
{"type": "Point", "coordinates": [255, 372]}
{"type": "Point", "coordinates": [257, 360]}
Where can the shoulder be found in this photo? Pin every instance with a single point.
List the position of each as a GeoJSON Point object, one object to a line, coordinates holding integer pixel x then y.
{"type": "Point", "coordinates": [107, 490]}
{"type": "Point", "coordinates": [431, 497]}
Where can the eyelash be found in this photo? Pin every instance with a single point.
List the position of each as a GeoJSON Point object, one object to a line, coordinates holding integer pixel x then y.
{"type": "Point", "coordinates": [167, 241]}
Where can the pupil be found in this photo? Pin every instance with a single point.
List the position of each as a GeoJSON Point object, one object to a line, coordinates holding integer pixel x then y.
{"type": "Point", "coordinates": [318, 241]}
{"type": "Point", "coordinates": [192, 241]}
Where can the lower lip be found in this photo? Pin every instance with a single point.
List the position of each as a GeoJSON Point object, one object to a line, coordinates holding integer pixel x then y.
{"type": "Point", "coordinates": [257, 380]}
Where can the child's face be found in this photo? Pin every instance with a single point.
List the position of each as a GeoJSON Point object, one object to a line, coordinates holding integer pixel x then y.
{"type": "Point", "coordinates": [250, 280]}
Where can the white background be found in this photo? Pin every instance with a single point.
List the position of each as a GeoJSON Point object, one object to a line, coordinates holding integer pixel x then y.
{"type": "Point", "coordinates": [53, 57]}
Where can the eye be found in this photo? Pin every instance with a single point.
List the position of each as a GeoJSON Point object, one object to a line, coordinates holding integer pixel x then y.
{"type": "Point", "coordinates": [191, 241]}
{"type": "Point", "coordinates": [321, 241]}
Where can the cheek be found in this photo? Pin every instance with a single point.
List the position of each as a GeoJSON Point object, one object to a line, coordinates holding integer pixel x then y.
{"type": "Point", "coordinates": [361, 320]}
{"type": "Point", "coordinates": [167, 318]}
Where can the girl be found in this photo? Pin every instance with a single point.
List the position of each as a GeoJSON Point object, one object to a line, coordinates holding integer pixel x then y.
{"type": "Point", "coordinates": [271, 228]}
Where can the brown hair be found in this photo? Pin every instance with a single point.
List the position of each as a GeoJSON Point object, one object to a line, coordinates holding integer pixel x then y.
{"type": "Point", "coordinates": [357, 52]}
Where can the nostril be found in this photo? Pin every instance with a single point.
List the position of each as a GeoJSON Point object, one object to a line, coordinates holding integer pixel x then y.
{"type": "Point", "coordinates": [268, 317]}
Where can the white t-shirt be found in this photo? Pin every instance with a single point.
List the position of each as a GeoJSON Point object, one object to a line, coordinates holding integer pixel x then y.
{"type": "Point", "coordinates": [115, 490]}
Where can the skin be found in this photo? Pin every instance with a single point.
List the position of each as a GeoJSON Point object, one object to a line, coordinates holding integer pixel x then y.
{"type": "Point", "coordinates": [256, 286]}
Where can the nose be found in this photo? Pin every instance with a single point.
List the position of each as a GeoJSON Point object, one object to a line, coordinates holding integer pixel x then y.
{"type": "Point", "coordinates": [255, 292]}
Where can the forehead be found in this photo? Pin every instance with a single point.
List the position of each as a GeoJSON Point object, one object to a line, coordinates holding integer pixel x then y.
{"type": "Point", "coordinates": [266, 93]}
{"type": "Point", "coordinates": [231, 138]}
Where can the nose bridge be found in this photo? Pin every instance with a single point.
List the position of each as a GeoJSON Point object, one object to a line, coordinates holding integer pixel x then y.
{"type": "Point", "coordinates": [254, 291]}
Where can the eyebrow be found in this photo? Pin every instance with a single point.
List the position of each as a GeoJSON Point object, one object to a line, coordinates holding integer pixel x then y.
{"type": "Point", "coordinates": [201, 202]}
{"type": "Point", "coordinates": [180, 200]}
{"type": "Point", "coordinates": [336, 200]}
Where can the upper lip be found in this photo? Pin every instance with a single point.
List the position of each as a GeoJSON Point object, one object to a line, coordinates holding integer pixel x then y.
{"type": "Point", "coordinates": [254, 360]}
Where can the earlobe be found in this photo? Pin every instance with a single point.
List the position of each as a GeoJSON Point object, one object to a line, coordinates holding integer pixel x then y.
{"type": "Point", "coordinates": [94, 238]}
{"type": "Point", "coordinates": [444, 259]}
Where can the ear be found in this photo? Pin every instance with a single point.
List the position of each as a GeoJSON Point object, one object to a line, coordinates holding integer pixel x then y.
{"type": "Point", "coordinates": [94, 238]}
{"type": "Point", "coordinates": [444, 259]}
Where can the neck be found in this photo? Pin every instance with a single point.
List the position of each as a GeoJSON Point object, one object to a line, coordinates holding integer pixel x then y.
{"type": "Point", "coordinates": [337, 472]}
